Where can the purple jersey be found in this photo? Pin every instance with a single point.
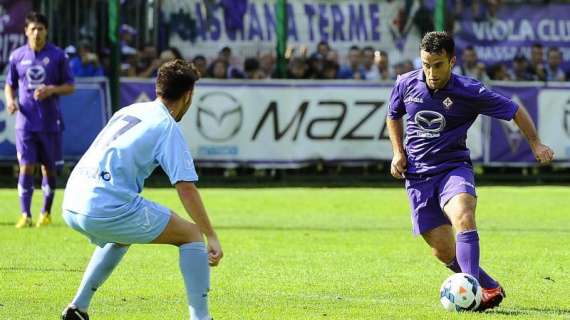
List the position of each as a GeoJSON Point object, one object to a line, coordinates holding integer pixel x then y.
{"type": "Point", "coordinates": [437, 120]}
{"type": "Point", "coordinates": [27, 71]}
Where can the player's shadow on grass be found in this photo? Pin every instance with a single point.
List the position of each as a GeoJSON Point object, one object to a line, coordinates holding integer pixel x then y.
{"type": "Point", "coordinates": [531, 311]}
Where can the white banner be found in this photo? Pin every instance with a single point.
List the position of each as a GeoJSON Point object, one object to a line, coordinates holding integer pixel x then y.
{"type": "Point", "coordinates": [554, 121]}
{"type": "Point", "coordinates": [291, 124]}
{"type": "Point", "coordinates": [251, 29]}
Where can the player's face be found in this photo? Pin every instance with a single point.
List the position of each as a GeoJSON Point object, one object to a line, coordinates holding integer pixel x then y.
{"type": "Point", "coordinates": [37, 34]}
{"type": "Point", "coordinates": [437, 68]}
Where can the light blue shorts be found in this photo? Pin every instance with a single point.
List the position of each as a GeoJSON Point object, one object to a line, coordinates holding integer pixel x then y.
{"type": "Point", "coordinates": [140, 226]}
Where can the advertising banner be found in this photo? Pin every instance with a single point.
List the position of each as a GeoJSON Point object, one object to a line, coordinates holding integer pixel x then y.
{"type": "Point", "coordinates": [506, 142]}
{"type": "Point", "coordinates": [84, 113]}
{"type": "Point", "coordinates": [12, 20]}
{"type": "Point", "coordinates": [249, 27]}
{"type": "Point", "coordinates": [288, 123]}
{"type": "Point", "coordinates": [514, 29]}
{"type": "Point", "coordinates": [554, 120]}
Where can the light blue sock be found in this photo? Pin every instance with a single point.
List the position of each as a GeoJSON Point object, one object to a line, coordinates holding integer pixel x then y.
{"type": "Point", "coordinates": [102, 264]}
{"type": "Point", "coordinates": [196, 272]}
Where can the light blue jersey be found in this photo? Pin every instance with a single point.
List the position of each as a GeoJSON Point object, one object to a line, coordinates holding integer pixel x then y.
{"type": "Point", "coordinates": [108, 179]}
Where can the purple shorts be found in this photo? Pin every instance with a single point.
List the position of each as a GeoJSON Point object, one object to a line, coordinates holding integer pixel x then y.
{"type": "Point", "coordinates": [428, 196]}
{"type": "Point", "coordinates": [38, 147]}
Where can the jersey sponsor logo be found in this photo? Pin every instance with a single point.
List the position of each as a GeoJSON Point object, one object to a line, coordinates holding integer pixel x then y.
{"type": "Point", "coordinates": [25, 62]}
{"type": "Point", "coordinates": [36, 76]}
{"type": "Point", "coordinates": [220, 116]}
{"type": "Point", "coordinates": [447, 103]}
{"type": "Point", "coordinates": [413, 100]}
{"type": "Point", "coordinates": [430, 123]}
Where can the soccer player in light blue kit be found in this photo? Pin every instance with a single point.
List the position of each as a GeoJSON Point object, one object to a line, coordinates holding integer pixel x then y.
{"type": "Point", "coordinates": [440, 106]}
{"type": "Point", "coordinates": [102, 197]}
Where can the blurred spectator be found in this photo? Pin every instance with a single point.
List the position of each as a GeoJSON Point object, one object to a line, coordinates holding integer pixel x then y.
{"type": "Point", "coordinates": [471, 66]}
{"type": "Point", "coordinates": [330, 70]}
{"type": "Point", "coordinates": [398, 69]}
{"type": "Point", "coordinates": [354, 69]}
{"type": "Point", "coordinates": [201, 65]}
{"type": "Point", "coordinates": [384, 66]}
{"type": "Point", "coordinates": [314, 67]}
{"type": "Point", "coordinates": [127, 33]}
{"type": "Point", "coordinates": [267, 64]}
{"type": "Point", "coordinates": [145, 57]}
{"type": "Point", "coordinates": [252, 69]}
{"type": "Point", "coordinates": [407, 66]}
{"type": "Point", "coordinates": [86, 63]}
{"type": "Point", "coordinates": [165, 56]}
{"type": "Point", "coordinates": [129, 65]}
{"type": "Point", "coordinates": [499, 72]}
{"type": "Point", "coordinates": [536, 66]}
{"type": "Point", "coordinates": [232, 71]}
{"type": "Point", "coordinates": [520, 70]}
{"type": "Point", "coordinates": [218, 69]}
{"type": "Point", "coordinates": [368, 62]}
{"type": "Point", "coordinates": [323, 49]}
{"type": "Point", "coordinates": [297, 68]}
{"type": "Point", "coordinates": [553, 70]}
{"type": "Point", "coordinates": [403, 67]}
{"type": "Point", "coordinates": [332, 55]}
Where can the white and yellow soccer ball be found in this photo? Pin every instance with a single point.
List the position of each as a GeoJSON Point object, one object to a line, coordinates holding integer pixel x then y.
{"type": "Point", "coordinates": [460, 292]}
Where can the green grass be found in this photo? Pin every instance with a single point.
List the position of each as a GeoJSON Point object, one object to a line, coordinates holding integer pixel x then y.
{"type": "Point", "coordinates": [301, 254]}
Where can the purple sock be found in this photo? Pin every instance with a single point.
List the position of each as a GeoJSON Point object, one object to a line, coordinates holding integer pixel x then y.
{"type": "Point", "coordinates": [485, 280]}
{"type": "Point", "coordinates": [25, 191]}
{"type": "Point", "coordinates": [48, 187]}
{"type": "Point", "coordinates": [467, 252]}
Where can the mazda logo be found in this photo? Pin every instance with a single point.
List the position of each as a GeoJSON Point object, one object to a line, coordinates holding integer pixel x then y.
{"type": "Point", "coordinates": [220, 116]}
{"type": "Point", "coordinates": [430, 121]}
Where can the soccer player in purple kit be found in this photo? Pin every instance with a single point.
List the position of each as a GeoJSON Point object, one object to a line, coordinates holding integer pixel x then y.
{"type": "Point", "coordinates": [434, 160]}
{"type": "Point", "coordinates": [38, 74]}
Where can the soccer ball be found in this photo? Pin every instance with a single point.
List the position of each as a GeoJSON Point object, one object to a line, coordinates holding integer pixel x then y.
{"type": "Point", "coordinates": [460, 292]}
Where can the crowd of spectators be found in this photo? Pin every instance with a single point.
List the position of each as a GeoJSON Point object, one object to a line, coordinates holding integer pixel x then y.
{"type": "Point", "coordinates": [360, 63]}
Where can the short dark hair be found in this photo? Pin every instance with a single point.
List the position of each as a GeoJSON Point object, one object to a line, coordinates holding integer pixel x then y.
{"type": "Point", "coordinates": [438, 41]}
{"type": "Point", "coordinates": [36, 17]}
{"type": "Point", "coordinates": [175, 78]}
{"type": "Point", "coordinates": [250, 64]}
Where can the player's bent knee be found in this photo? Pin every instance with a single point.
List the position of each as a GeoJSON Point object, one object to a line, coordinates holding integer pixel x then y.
{"type": "Point", "coordinates": [179, 231]}
{"type": "Point", "coordinates": [465, 220]}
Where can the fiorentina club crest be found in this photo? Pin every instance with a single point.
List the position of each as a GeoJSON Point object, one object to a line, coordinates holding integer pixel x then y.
{"type": "Point", "coordinates": [447, 103]}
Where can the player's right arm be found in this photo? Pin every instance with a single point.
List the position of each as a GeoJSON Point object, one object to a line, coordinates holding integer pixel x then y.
{"type": "Point", "coordinates": [11, 86]}
{"type": "Point", "coordinates": [394, 122]}
{"type": "Point", "coordinates": [396, 132]}
{"type": "Point", "coordinates": [190, 198]}
{"type": "Point", "coordinates": [11, 99]}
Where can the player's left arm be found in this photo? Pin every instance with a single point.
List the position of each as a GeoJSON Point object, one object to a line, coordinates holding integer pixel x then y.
{"type": "Point", "coordinates": [542, 153]}
{"type": "Point", "coordinates": [44, 91]}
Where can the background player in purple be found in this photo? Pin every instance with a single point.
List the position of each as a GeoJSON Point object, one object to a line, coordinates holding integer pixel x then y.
{"type": "Point", "coordinates": [38, 74]}
{"type": "Point", "coordinates": [440, 106]}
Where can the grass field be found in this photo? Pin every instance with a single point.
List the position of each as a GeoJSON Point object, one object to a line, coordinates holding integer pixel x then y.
{"type": "Point", "coordinates": [301, 254]}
